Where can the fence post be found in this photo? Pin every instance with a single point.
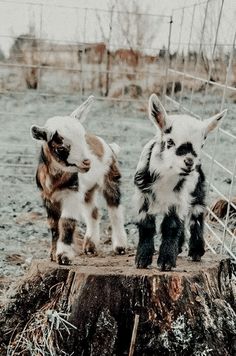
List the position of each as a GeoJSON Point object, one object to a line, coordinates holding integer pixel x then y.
{"type": "Point", "coordinates": [167, 60]}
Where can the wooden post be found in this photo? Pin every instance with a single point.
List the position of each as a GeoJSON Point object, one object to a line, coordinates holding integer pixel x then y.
{"type": "Point", "coordinates": [105, 306]}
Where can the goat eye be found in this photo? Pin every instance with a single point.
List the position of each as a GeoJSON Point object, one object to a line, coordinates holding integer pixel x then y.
{"type": "Point", "coordinates": [61, 150]}
{"type": "Point", "coordinates": [170, 143]}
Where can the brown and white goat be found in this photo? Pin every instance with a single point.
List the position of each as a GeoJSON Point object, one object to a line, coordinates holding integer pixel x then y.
{"type": "Point", "coordinates": [73, 167]}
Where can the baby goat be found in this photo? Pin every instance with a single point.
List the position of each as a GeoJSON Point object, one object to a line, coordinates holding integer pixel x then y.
{"type": "Point", "coordinates": [169, 179]}
{"type": "Point", "coordinates": [73, 167]}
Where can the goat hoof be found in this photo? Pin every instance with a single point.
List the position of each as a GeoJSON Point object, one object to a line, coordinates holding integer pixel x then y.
{"type": "Point", "coordinates": [53, 256]}
{"type": "Point", "coordinates": [166, 267]}
{"type": "Point", "coordinates": [89, 247]}
{"type": "Point", "coordinates": [143, 260]}
{"type": "Point", "coordinates": [196, 258]}
{"type": "Point", "coordinates": [166, 264]}
{"type": "Point", "coordinates": [119, 250]}
{"type": "Point", "coordinates": [63, 260]}
{"type": "Point", "coordinates": [196, 255]}
{"type": "Point", "coordinates": [144, 255]}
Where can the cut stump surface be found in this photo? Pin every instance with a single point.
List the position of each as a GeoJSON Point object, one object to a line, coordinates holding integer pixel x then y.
{"type": "Point", "coordinates": [189, 311]}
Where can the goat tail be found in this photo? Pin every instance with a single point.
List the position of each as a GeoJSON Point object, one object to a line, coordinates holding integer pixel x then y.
{"type": "Point", "coordinates": [115, 148]}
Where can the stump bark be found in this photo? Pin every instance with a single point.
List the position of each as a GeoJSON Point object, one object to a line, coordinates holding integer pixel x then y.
{"type": "Point", "coordinates": [98, 305]}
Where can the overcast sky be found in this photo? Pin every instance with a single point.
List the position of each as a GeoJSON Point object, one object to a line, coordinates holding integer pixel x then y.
{"type": "Point", "coordinates": [68, 24]}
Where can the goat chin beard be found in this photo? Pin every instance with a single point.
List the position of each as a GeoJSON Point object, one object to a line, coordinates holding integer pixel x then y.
{"type": "Point", "coordinates": [176, 171]}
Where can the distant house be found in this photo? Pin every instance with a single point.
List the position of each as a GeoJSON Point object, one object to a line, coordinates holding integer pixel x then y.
{"type": "Point", "coordinates": [93, 53]}
{"type": "Point", "coordinates": [148, 59]}
{"type": "Point", "coordinates": [29, 50]}
{"type": "Point", "coordinates": [126, 56]}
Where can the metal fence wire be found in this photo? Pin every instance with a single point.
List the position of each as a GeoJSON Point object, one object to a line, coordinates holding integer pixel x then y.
{"type": "Point", "coordinates": [106, 53]}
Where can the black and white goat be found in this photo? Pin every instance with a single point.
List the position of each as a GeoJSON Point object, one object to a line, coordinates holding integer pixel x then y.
{"type": "Point", "coordinates": [169, 180]}
{"type": "Point", "coordinates": [73, 167]}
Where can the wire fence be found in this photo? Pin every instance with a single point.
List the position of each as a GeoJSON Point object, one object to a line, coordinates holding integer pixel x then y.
{"type": "Point", "coordinates": [205, 69]}
{"type": "Point", "coordinates": [106, 54]}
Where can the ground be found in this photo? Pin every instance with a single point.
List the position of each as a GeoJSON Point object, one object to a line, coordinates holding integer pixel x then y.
{"type": "Point", "coordinates": [23, 229]}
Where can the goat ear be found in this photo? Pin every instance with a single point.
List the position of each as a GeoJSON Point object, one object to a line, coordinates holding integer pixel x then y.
{"type": "Point", "coordinates": [211, 123]}
{"type": "Point", "coordinates": [81, 112]}
{"type": "Point", "coordinates": [39, 133]}
{"type": "Point", "coordinates": [157, 113]}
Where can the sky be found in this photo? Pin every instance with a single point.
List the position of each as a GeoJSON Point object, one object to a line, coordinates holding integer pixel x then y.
{"type": "Point", "coordinates": [64, 20]}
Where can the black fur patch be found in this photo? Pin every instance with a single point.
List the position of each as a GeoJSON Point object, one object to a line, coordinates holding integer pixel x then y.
{"type": "Point", "coordinates": [143, 179]}
{"type": "Point", "coordinates": [168, 130]}
{"type": "Point", "coordinates": [170, 143]}
{"type": "Point", "coordinates": [172, 229]}
{"type": "Point", "coordinates": [61, 154]}
{"type": "Point", "coordinates": [58, 139]}
{"type": "Point", "coordinates": [199, 192]}
{"type": "Point", "coordinates": [59, 151]}
{"type": "Point", "coordinates": [184, 149]}
{"type": "Point", "coordinates": [163, 144]}
{"type": "Point", "coordinates": [155, 111]}
{"type": "Point", "coordinates": [170, 223]}
{"type": "Point", "coordinates": [72, 183]}
{"type": "Point", "coordinates": [196, 242]}
{"type": "Point", "coordinates": [145, 206]}
{"type": "Point", "coordinates": [67, 230]}
{"type": "Point", "coordinates": [184, 174]}
{"type": "Point", "coordinates": [179, 185]}
{"type": "Point", "coordinates": [145, 250]}
{"type": "Point", "coordinates": [53, 210]}
{"type": "Point", "coordinates": [39, 134]}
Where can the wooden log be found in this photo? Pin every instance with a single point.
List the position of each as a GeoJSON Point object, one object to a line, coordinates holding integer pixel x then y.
{"type": "Point", "coordinates": [95, 306]}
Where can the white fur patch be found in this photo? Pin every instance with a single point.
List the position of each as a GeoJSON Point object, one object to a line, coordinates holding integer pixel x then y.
{"type": "Point", "coordinates": [197, 210]}
{"type": "Point", "coordinates": [92, 225]}
{"type": "Point", "coordinates": [119, 237]}
{"type": "Point", "coordinates": [70, 204]}
{"type": "Point", "coordinates": [66, 250]}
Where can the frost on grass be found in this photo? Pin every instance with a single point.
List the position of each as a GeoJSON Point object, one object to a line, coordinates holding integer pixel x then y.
{"type": "Point", "coordinates": [42, 334]}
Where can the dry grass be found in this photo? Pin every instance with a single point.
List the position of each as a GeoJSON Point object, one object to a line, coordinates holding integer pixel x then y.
{"type": "Point", "coordinates": [43, 333]}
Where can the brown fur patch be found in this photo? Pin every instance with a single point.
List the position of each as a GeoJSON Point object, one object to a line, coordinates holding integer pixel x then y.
{"type": "Point", "coordinates": [53, 251]}
{"type": "Point", "coordinates": [53, 224]}
{"type": "Point", "coordinates": [95, 145]}
{"type": "Point", "coordinates": [114, 172]}
{"type": "Point", "coordinates": [89, 246]}
{"type": "Point", "coordinates": [89, 194]}
{"type": "Point", "coordinates": [95, 213]}
{"type": "Point", "coordinates": [111, 190]}
{"type": "Point", "coordinates": [67, 228]}
{"type": "Point", "coordinates": [49, 179]}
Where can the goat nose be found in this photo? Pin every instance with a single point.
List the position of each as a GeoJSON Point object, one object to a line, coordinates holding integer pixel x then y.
{"type": "Point", "coordinates": [86, 162]}
{"type": "Point", "coordinates": [188, 162]}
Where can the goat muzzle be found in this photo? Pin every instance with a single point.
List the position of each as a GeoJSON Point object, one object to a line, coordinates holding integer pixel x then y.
{"type": "Point", "coordinates": [85, 166]}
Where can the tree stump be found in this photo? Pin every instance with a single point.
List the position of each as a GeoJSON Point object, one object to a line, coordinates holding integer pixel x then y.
{"type": "Point", "coordinates": [98, 305]}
